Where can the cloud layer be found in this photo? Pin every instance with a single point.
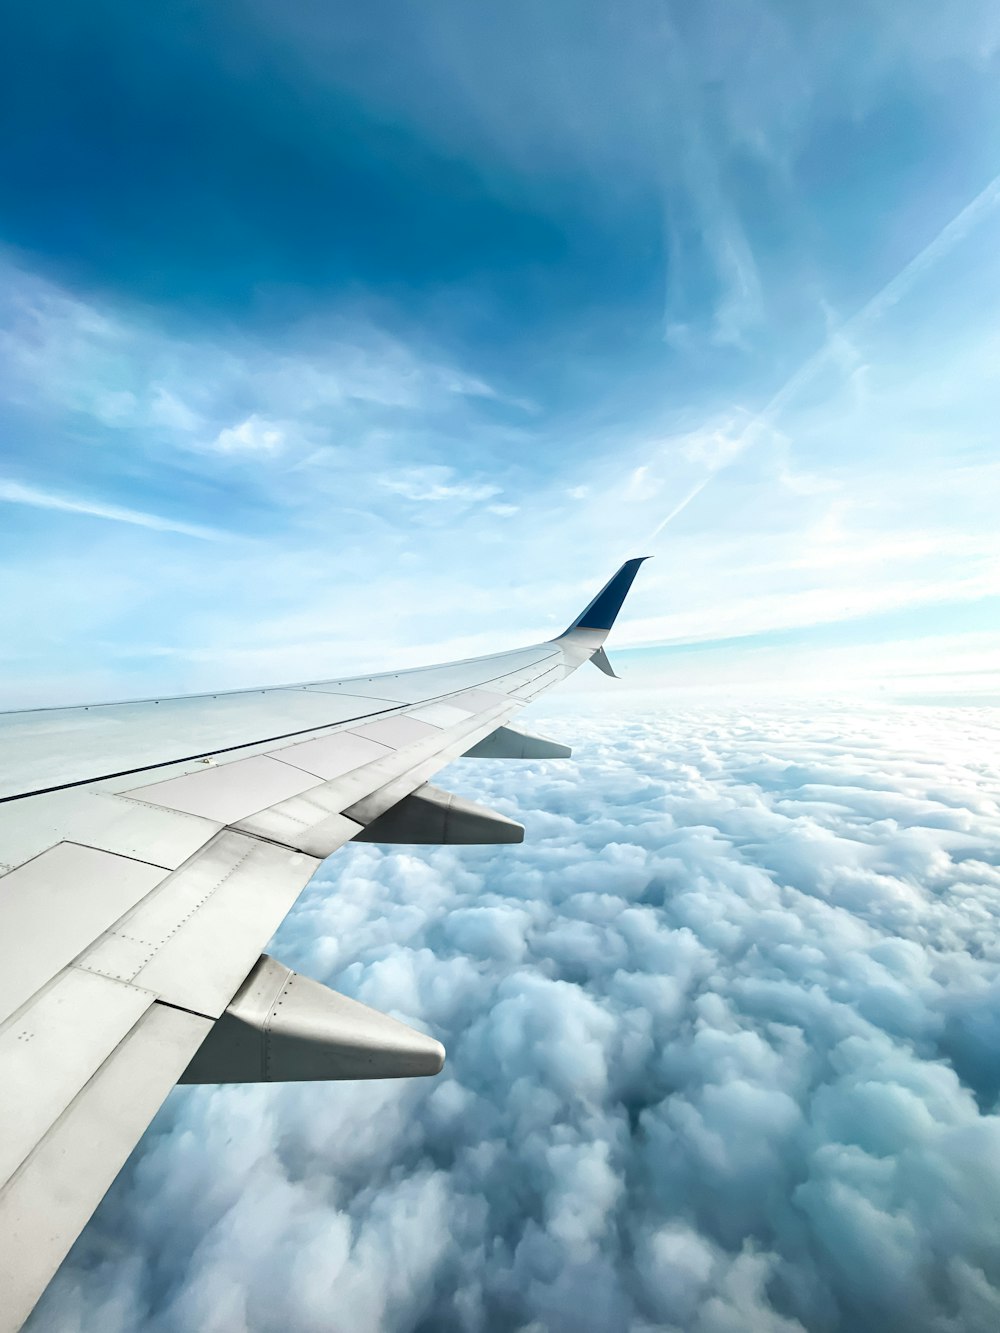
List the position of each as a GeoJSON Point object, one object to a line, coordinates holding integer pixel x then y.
{"type": "Point", "coordinates": [723, 1054]}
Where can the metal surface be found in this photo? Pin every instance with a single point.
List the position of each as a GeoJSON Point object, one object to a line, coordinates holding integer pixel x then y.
{"type": "Point", "coordinates": [421, 766]}
{"type": "Point", "coordinates": [538, 684]}
{"type": "Point", "coordinates": [419, 684]}
{"type": "Point", "coordinates": [510, 743]}
{"type": "Point", "coordinates": [51, 1050]}
{"type": "Point", "coordinates": [284, 1027]}
{"type": "Point", "coordinates": [194, 940]}
{"type": "Point", "coordinates": [54, 906]}
{"type": "Point", "coordinates": [441, 715]}
{"type": "Point", "coordinates": [332, 756]}
{"type": "Point", "coordinates": [600, 660]}
{"type": "Point", "coordinates": [310, 823]}
{"type": "Point", "coordinates": [46, 1204]}
{"type": "Point", "coordinates": [398, 731]}
{"type": "Point", "coordinates": [231, 791]}
{"type": "Point", "coordinates": [103, 820]}
{"type": "Point", "coordinates": [432, 816]}
{"type": "Point", "coordinates": [478, 700]}
{"type": "Point", "coordinates": [53, 746]}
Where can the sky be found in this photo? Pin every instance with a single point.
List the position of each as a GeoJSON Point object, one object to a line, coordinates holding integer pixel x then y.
{"type": "Point", "coordinates": [339, 337]}
{"type": "Point", "coordinates": [723, 1057]}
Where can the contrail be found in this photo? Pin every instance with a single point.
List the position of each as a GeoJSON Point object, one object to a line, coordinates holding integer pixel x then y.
{"type": "Point", "coordinates": [943, 243]}
{"type": "Point", "coordinates": [12, 492]}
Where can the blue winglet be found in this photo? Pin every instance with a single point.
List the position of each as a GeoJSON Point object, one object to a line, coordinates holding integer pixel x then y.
{"type": "Point", "coordinates": [601, 612]}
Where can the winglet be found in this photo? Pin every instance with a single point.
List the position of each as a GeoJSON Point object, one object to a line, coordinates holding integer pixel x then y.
{"type": "Point", "coordinates": [601, 612]}
{"type": "Point", "coordinates": [600, 660]}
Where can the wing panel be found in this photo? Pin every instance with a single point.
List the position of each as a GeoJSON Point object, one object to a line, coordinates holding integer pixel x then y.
{"type": "Point", "coordinates": [532, 688]}
{"type": "Point", "coordinates": [397, 731]}
{"type": "Point", "coordinates": [55, 905]}
{"type": "Point", "coordinates": [51, 747]}
{"type": "Point", "coordinates": [422, 683]}
{"type": "Point", "coordinates": [331, 756]}
{"type": "Point", "coordinates": [227, 792]}
{"type": "Point", "coordinates": [47, 1203]}
{"type": "Point", "coordinates": [52, 1048]}
{"type": "Point", "coordinates": [441, 715]}
{"type": "Point", "coordinates": [102, 820]}
{"type": "Point", "coordinates": [193, 941]}
{"type": "Point", "coordinates": [478, 700]}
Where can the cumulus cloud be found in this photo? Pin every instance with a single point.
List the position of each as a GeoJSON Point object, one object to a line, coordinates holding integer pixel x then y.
{"type": "Point", "coordinates": [723, 1055]}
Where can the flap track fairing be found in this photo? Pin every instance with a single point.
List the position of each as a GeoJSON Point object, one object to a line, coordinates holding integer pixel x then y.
{"type": "Point", "coordinates": [431, 816]}
{"type": "Point", "coordinates": [510, 743]}
{"type": "Point", "coordinates": [282, 1027]}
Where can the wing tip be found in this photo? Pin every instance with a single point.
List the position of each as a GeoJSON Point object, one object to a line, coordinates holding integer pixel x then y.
{"type": "Point", "coordinates": [601, 613]}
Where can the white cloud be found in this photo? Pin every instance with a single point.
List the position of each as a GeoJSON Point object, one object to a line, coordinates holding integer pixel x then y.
{"type": "Point", "coordinates": [254, 435]}
{"type": "Point", "coordinates": [722, 1054]}
{"type": "Point", "coordinates": [115, 365]}
{"type": "Point", "coordinates": [434, 484]}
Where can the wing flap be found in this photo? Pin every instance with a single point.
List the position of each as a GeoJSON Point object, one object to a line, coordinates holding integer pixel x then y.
{"type": "Point", "coordinates": [72, 893]}
{"type": "Point", "coordinates": [52, 1048]}
{"type": "Point", "coordinates": [309, 821]}
{"type": "Point", "coordinates": [193, 941]}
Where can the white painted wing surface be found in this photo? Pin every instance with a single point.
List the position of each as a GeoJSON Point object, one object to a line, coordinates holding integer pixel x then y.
{"type": "Point", "coordinates": [149, 850]}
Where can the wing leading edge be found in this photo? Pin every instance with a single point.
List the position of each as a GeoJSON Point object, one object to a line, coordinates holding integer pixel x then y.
{"type": "Point", "coordinates": [148, 851]}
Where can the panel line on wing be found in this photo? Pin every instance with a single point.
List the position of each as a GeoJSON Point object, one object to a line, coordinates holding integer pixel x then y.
{"type": "Point", "coordinates": [91, 847]}
{"type": "Point", "coordinates": [189, 759]}
{"type": "Point", "coordinates": [315, 689]}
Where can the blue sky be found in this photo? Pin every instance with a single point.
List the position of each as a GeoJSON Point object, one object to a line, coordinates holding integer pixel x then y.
{"type": "Point", "coordinates": [347, 336]}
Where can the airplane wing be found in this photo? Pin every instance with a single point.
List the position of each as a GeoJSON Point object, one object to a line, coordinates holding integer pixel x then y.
{"type": "Point", "coordinates": [149, 850]}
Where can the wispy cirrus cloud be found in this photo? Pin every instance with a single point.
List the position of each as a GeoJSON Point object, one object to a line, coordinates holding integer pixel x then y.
{"type": "Point", "coordinates": [217, 388]}
{"type": "Point", "coordinates": [437, 485]}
